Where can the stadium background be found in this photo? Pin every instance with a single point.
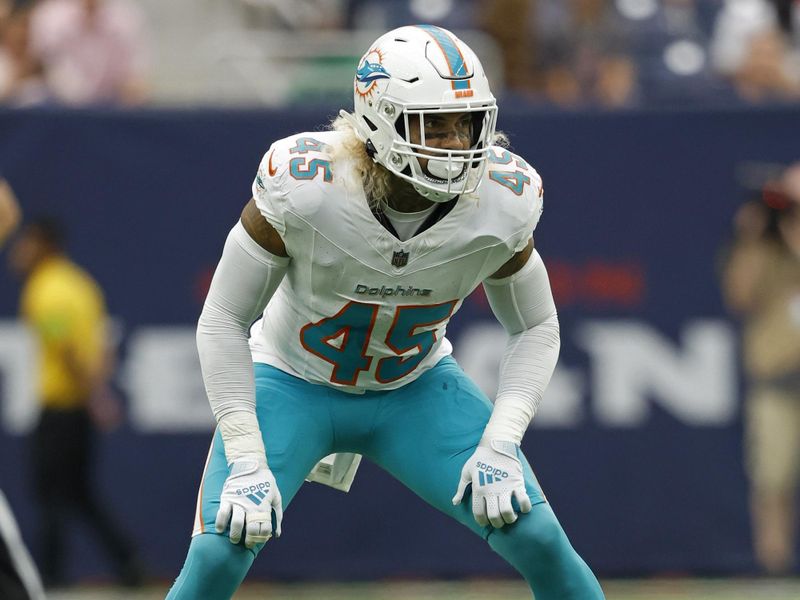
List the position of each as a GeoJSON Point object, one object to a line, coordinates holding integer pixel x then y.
{"type": "Point", "coordinates": [638, 443]}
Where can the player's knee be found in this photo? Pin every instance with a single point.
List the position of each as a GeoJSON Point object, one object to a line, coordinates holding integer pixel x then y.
{"type": "Point", "coordinates": [544, 533]}
{"type": "Point", "coordinates": [536, 535]}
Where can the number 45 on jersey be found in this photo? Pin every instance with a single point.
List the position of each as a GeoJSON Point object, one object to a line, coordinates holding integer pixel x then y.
{"type": "Point", "coordinates": [343, 340]}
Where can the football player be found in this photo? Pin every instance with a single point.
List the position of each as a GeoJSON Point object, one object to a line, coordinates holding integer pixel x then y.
{"type": "Point", "coordinates": [359, 245]}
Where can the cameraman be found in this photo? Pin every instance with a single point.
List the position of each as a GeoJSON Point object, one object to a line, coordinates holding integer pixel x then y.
{"type": "Point", "coordinates": [761, 282]}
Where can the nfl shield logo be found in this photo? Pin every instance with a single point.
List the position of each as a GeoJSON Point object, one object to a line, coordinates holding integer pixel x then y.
{"type": "Point", "coordinates": [399, 259]}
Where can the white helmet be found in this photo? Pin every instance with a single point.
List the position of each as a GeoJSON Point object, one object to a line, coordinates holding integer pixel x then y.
{"type": "Point", "coordinates": [419, 70]}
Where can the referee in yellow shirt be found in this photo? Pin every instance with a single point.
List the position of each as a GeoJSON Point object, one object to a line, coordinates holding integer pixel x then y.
{"type": "Point", "coordinates": [65, 309]}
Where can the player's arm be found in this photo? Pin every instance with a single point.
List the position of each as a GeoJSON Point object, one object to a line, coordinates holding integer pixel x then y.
{"type": "Point", "coordinates": [520, 297]}
{"type": "Point", "coordinates": [261, 231]}
{"type": "Point", "coordinates": [253, 263]}
{"type": "Point", "coordinates": [747, 259]}
{"type": "Point", "coordinates": [741, 275]}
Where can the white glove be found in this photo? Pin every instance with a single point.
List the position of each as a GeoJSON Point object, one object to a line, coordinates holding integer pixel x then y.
{"type": "Point", "coordinates": [248, 498]}
{"type": "Point", "coordinates": [496, 475]}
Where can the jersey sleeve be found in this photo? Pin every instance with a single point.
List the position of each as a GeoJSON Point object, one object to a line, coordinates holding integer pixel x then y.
{"type": "Point", "coordinates": [270, 186]}
{"type": "Point", "coordinates": [292, 181]}
{"type": "Point", "coordinates": [523, 200]}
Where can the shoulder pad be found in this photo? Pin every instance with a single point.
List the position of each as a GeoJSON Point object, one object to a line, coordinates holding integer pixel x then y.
{"type": "Point", "coordinates": [517, 191]}
{"type": "Point", "coordinates": [292, 170]}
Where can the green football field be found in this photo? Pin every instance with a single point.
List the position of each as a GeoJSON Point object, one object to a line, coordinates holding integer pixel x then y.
{"type": "Point", "coordinates": [657, 589]}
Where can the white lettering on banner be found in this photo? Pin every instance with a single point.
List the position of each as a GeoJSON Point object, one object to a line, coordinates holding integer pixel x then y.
{"type": "Point", "coordinates": [162, 379]}
{"type": "Point", "coordinates": [18, 379]}
{"type": "Point", "coordinates": [632, 365]}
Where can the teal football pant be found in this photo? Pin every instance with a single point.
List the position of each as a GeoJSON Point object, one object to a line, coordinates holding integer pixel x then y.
{"type": "Point", "coordinates": [435, 421]}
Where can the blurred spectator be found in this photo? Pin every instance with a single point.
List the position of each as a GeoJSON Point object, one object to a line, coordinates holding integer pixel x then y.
{"type": "Point", "coordinates": [65, 310]}
{"type": "Point", "coordinates": [768, 71]}
{"type": "Point", "coordinates": [21, 75]}
{"type": "Point", "coordinates": [737, 22]}
{"type": "Point", "coordinates": [6, 7]}
{"type": "Point", "coordinates": [762, 284]}
{"type": "Point", "coordinates": [584, 54]}
{"type": "Point", "coordinates": [297, 15]}
{"type": "Point", "coordinates": [788, 12]}
{"type": "Point", "coordinates": [455, 15]}
{"type": "Point", "coordinates": [92, 50]}
{"type": "Point", "coordinates": [616, 82]}
{"type": "Point", "coordinates": [514, 38]}
{"type": "Point", "coordinates": [752, 50]}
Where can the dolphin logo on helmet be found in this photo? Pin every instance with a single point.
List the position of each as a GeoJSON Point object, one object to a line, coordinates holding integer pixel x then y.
{"type": "Point", "coordinates": [369, 72]}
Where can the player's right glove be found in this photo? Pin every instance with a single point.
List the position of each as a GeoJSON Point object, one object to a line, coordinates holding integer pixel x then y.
{"type": "Point", "coordinates": [496, 476]}
{"type": "Point", "coordinates": [248, 498]}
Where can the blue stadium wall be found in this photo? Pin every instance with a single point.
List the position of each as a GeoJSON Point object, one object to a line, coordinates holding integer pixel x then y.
{"type": "Point", "coordinates": [639, 443]}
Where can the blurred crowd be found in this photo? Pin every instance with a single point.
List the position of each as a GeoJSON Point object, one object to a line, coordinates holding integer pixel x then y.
{"type": "Point", "coordinates": [561, 53]}
{"type": "Point", "coordinates": [629, 53]}
{"type": "Point", "coordinates": [632, 53]}
{"type": "Point", "coordinates": [72, 52]}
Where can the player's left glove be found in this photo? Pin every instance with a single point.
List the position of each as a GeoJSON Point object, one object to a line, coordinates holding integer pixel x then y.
{"type": "Point", "coordinates": [248, 498]}
{"type": "Point", "coordinates": [496, 475]}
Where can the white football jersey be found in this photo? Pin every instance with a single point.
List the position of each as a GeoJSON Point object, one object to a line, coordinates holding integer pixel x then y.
{"type": "Point", "coordinates": [358, 308]}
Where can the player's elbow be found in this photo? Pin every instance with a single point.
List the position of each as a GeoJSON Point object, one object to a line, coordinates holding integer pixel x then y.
{"type": "Point", "coordinates": [549, 331]}
{"type": "Point", "coordinates": [544, 337]}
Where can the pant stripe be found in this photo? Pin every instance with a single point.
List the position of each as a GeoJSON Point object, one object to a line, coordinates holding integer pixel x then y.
{"type": "Point", "coordinates": [199, 523]}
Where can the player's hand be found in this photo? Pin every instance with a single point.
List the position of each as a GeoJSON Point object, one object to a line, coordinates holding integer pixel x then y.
{"type": "Point", "coordinates": [496, 476]}
{"type": "Point", "coordinates": [248, 498]}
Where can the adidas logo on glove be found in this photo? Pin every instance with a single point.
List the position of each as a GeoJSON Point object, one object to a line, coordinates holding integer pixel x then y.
{"type": "Point", "coordinates": [255, 493]}
{"type": "Point", "coordinates": [487, 474]}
